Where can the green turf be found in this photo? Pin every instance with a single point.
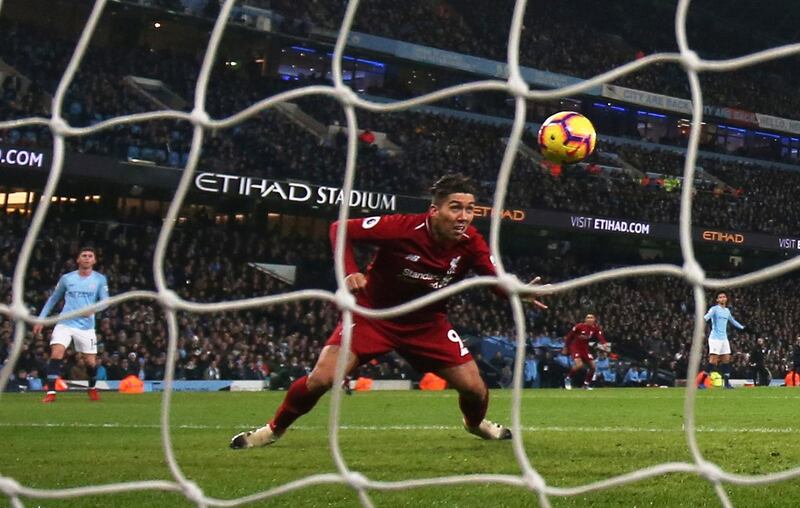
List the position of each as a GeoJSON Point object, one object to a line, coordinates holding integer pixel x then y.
{"type": "Point", "coordinates": [76, 443]}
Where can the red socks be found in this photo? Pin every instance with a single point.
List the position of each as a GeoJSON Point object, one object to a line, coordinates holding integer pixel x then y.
{"type": "Point", "coordinates": [298, 401]}
{"type": "Point", "coordinates": [474, 410]}
{"type": "Point", "coordinates": [589, 376]}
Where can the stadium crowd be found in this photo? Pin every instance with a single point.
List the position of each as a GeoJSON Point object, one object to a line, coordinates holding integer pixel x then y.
{"type": "Point", "coordinates": [602, 37]}
{"type": "Point", "coordinates": [280, 342]}
{"type": "Point", "coordinates": [756, 198]}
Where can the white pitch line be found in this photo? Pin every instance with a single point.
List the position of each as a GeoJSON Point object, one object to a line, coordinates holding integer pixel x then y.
{"type": "Point", "coordinates": [381, 428]}
{"type": "Point", "coordinates": [664, 394]}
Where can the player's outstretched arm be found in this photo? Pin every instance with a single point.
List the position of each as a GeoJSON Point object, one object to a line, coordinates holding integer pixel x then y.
{"type": "Point", "coordinates": [484, 265]}
{"type": "Point", "coordinates": [709, 314]}
{"type": "Point", "coordinates": [531, 298]}
{"type": "Point", "coordinates": [568, 338]}
{"type": "Point", "coordinates": [601, 336]}
{"type": "Point", "coordinates": [355, 282]}
{"type": "Point", "coordinates": [737, 324]}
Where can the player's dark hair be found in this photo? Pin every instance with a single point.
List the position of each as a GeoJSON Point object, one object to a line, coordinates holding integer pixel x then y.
{"type": "Point", "coordinates": [721, 293]}
{"type": "Point", "coordinates": [87, 248]}
{"type": "Point", "coordinates": [452, 183]}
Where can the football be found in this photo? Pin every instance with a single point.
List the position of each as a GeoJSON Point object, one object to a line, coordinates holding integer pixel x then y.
{"type": "Point", "coordinates": [567, 137]}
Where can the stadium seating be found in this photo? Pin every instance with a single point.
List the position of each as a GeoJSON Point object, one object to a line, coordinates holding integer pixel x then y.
{"type": "Point", "coordinates": [555, 39]}
{"type": "Point", "coordinates": [279, 344]}
{"type": "Point", "coordinates": [271, 146]}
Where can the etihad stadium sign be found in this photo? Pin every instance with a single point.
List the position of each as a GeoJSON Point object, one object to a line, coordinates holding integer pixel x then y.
{"type": "Point", "coordinates": [297, 192]}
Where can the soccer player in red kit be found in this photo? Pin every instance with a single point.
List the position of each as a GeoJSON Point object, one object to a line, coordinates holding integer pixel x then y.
{"type": "Point", "coordinates": [576, 345]}
{"type": "Point", "coordinates": [417, 254]}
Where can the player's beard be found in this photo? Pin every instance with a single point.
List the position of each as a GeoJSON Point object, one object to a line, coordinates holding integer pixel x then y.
{"type": "Point", "coordinates": [451, 230]}
{"type": "Point", "coordinates": [459, 229]}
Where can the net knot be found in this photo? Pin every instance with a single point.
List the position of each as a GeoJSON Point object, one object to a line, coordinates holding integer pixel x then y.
{"type": "Point", "coordinates": [9, 486]}
{"type": "Point", "coordinates": [509, 282]}
{"type": "Point", "coordinates": [517, 86]}
{"type": "Point", "coordinates": [193, 493]}
{"type": "Point", "coordinates": [59, 126]}
{"type": "Point", "coordinates": [18, 311]}
{"type": "Point", "coordinates": [346, 95]}
{"type": "Point", "coordinates": [710, 471]}
{"type": "Point", "coordinates": [345, 299]}
{"type": "Point", "coordinates": [691, 61]}
{"type": "Point", "coordinates": [534, 481]}
{"type": "Point", "coordinates": [694, 273]}
{"type": "Point", "coordinates": [356, 480]}
{"type": "Point", "coordinates": [200, 117]}
{"type": "Point", "coordinates": [170, 299]}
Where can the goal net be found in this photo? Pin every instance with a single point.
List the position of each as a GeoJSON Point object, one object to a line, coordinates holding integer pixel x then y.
{"type": "Point", "coordinates": [516, 88]}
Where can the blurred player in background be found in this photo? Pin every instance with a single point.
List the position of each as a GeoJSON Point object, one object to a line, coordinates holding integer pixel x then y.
{"type": "Point", "coordinates": [719, 347]}
{"type": "Point", "coordinates": [576, 346]}
{"type": "Point", "coordinates": [796, 355]}
{"type": "Point", "coordinates": [417, 255]}
{"type": "Point", "coordinates": [758, 359]}
{"type": "Point", "coordinates": [80, 288]}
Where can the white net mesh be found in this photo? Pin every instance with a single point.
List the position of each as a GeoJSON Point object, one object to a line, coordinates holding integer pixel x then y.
{"type": "Point", "coordinates": [530, 479]}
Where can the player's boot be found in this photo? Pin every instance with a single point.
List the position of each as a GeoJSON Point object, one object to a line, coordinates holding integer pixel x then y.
{"type": "Point", "coordinates": [587, 387]}
{"type": "Point", "coordinates": [93, 395]}
{"type": "Point", "coordinates": [489, 430]}
{"type": "Point", "coordinates": [50, 397]}
{"type": "Point", "coordinates": [568, 383]}
{"type": "Point", "coordinates": [261, 436]}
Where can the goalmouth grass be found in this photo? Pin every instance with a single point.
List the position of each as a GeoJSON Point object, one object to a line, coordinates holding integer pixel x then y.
{"type": "Point", "coordinates": [572, 438]}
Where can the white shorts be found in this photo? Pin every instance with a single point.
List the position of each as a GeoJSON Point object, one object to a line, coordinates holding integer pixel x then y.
{"type": "Point", "coordinates": [85, 340]}
{"type": "Point", "coordinates": [719, 347]}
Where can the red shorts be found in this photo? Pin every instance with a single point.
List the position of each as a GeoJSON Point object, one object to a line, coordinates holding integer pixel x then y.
{"type": "Point", "coordinates": [428, 347]}
{"type": "Point", "coordinates": [581, 353]}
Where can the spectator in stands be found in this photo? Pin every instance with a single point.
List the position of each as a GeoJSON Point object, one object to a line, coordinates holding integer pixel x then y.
{"type": "Point", "coordinates": [604, 376]}
{"type": "Point", "coordinates": [21, 381]}
{"type": "Point", "coordinates": [78, 370]}
{"type": "Point", "coordinates": [529, 375]}
{"type": "Point", "coordinates": [34, 381]}
{"type": "Point", "coordinates": [796, 355]}
{"type": "Point", "coordinates": [635, 377]}
{"type": "Point", "coordinates": [212, 372]}
{"type": "Point", "coordinates": [102, 374]}
{"type": "Point", "coordinates": [758, 358]}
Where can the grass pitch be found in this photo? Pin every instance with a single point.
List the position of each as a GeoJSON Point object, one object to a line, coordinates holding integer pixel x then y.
{"type": "Point", "coordinates": [571, 437]}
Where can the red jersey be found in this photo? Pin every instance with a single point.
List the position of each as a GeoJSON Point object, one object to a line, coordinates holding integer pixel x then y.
{"type": "Point", "coordinates": [577, 340]}
{"type": "Point", "coordinates": [409, 263]}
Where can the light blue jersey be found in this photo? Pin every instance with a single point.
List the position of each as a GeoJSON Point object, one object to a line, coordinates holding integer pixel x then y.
{"type": "Point", "coordinates": [78, 292]}
{"type": "Point", "coordinates": [719, 317]}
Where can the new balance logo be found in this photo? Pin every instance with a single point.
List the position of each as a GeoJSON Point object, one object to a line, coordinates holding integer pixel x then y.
{"type": "Point", "coordinates": [412, 257]}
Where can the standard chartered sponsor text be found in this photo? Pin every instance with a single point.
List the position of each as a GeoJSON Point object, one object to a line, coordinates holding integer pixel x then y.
{"type": "Point", "coordinates": [614, 225]}
{"type": "Point", "coordinates": [14, 157]}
